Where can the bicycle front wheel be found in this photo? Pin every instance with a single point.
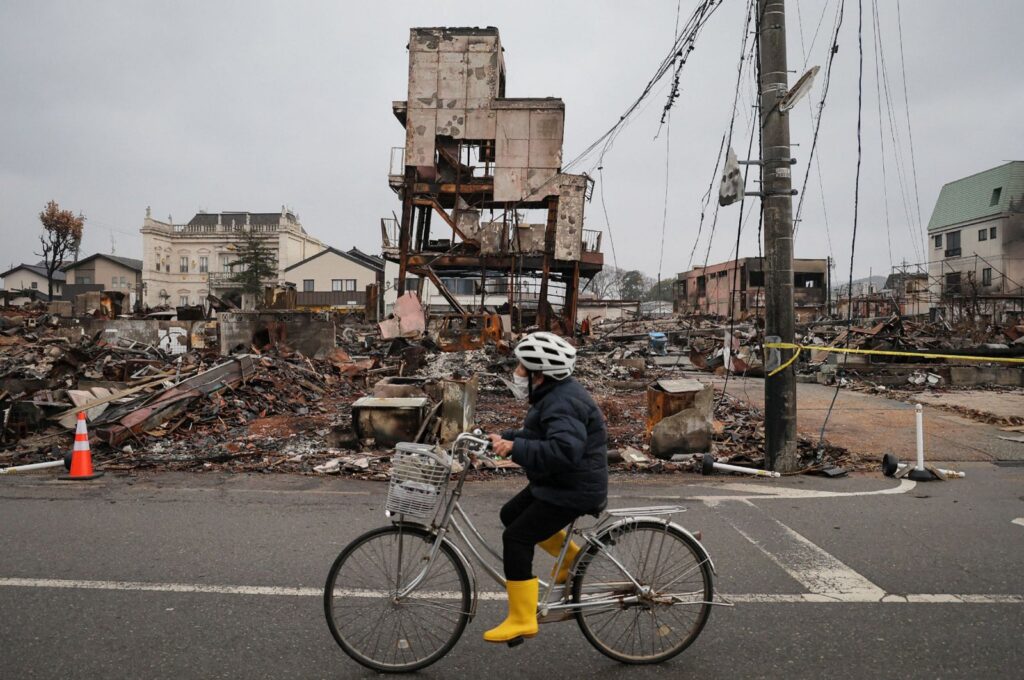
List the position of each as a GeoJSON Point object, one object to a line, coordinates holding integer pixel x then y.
{"type": "Point", "coordinates": [381, 630]}
{"type": "Point", "coordinates": [662, 617]}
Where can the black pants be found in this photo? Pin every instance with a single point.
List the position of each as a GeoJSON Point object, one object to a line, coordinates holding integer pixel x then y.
{"type": "Point", "coordinates": [528, 521]}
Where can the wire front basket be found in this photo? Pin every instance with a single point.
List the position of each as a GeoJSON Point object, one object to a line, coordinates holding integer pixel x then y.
{"type": "Point", "coordinates": [419, 477]}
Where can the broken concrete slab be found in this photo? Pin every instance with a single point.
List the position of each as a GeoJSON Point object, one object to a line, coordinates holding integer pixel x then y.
{"type": "Point", "coordinates": [688, 431]}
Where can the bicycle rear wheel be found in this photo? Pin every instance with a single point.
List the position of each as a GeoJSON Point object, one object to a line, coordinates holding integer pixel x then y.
{"type": "Point", "coordinates": [370, 622]}
{"type": "Point", "coordinates": [672, 604]}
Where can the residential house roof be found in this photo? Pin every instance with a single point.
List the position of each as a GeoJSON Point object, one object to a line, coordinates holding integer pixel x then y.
{"type": "Point", "coordinates": [58, 275]}
{"type": "Point", "coordinates": [354, 258]}
{"type": "Point", "coordinates": [129, 262]}
{"type": "Point", "coordinates": [375, 261]}
{"type": "Point", "coordinates": [983, 194]}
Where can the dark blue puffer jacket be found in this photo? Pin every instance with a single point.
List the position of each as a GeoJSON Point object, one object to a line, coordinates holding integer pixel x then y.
{"type": "Point", "coordinates": [563, 446]}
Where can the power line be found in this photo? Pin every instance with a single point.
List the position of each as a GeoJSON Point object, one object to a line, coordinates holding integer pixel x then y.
{"type": "Point", "coordinates": [906, 105]}
{"type": "Point", "coordinates": [725, 144]}
{"type": "Point", "coordinates": [856, 197]}
{"type": "Point", "coordinates": [881, 142]}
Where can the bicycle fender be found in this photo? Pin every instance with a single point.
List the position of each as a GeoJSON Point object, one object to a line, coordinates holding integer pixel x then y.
{"type": "Point", "coordinates": [678, 527]}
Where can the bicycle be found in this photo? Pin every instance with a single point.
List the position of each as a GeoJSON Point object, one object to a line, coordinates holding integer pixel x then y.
{"type": "Point", "coordinates": [398, 597]}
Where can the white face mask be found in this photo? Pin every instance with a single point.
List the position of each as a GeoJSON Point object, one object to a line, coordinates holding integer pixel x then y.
{"type": "Point", "coordinates": [520, 386]}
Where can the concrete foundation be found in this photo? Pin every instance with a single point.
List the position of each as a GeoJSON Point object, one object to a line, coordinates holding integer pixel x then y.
{"type": "Point", "coordinates": [308, 333]}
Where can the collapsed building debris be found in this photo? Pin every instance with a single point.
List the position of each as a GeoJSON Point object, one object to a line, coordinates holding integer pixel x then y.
{"type": "Point", "coordinates": [271, 408]}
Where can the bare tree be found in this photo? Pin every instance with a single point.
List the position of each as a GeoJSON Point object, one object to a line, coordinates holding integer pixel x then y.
{"type": "Point", "coordinates": [62, 235]}
{"type": "Point", "coordinates": [607, 283]}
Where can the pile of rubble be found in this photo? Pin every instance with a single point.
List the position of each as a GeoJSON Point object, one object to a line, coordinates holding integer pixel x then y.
{"type": "Point", "coordinates": [271, 409]}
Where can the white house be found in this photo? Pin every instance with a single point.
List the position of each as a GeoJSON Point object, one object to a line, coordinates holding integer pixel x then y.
{"type": "Point", "coordinates": [182, 263]}
{"type": "Point", "coordinates": [32, 277]}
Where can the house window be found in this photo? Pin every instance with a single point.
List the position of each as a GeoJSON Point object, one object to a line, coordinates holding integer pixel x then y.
{"type": "Point", "coordinates": [411, 284]}
{"type": "Point", "coordinates": [986, 276]}
{"type": "Point", "coordinates": [204, 264]}
{"type": "Point", "coordinates": [343, 285]}
{"type": "Point", "coordinates": [124, 281]}
{"type": "Point", "coordinates": [35, 285]}
{"type": "Point", "coordinates": [183, 301]}
{"type": "Point", "coordinates": [183, 265]}
{"type": "Point", "coordinates": [992, 232]}
{"type": "Point", "coordinates": [996, 195]}
{"type": "Point", "coordinates": [307, 285]}
{"type": "Point", "coordinates": [953, 283]}
{"type": "Point", "coordinates": [983, 234]}
{"type": "Point", "coordinates": [85, 279]}
{"type": "Point", "coordinates": [938, 240]}
{"type": "Point", "coordinates": [225, 263]}
{"type": "Point", "coordinates": [953, 244]}
{"type": "Point", "coordinates": [113, 282]}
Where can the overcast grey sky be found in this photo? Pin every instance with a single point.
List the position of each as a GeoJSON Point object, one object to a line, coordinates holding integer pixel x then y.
{"type": "Point", "coordinates": [112, 106]}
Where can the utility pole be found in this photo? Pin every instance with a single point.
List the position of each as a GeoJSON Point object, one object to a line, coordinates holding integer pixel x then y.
{"type": "Point", "coordinates": [777, 204]}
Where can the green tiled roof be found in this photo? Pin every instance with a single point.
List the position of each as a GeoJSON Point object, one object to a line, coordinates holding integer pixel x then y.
{"type": "Point", "coordinates": [970, 198]}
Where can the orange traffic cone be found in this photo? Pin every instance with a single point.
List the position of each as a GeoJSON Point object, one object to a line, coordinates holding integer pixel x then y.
{"type": "Point", "coordinates": [81, 455]}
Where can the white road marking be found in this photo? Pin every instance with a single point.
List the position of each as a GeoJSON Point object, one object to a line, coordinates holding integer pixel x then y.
{"type": "Point", "coordinates": [1019, 520]}
{"type": "Point", "coordinates": [817, 570]}
{"type": "Point", "coordinates": [767, 491]}
{"type": "Point", "coordinates": [744, 598]}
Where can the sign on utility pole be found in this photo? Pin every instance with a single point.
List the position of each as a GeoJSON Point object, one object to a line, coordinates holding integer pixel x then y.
{"type": "Point", "coordinates": [777, 205]}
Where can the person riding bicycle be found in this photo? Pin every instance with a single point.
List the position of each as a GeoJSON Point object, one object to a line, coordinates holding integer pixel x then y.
{"type": "Point", "coordinates": [563, 448]}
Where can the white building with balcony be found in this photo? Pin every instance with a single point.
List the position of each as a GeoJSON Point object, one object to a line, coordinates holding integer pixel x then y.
{"type": "Point", "coordinates": [976, 243]}
{"type": "Point", "coordinates": [183, 263]}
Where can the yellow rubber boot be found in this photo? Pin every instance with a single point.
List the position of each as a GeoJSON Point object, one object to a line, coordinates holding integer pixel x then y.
{"type": "Point", "coordinates": [553, 546]}
{"type": "Point", "coordinates": [521, 621]}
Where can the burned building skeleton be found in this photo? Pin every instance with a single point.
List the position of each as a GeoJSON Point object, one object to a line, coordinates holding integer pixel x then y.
{"type": "Point", "coordinates": [470, 149]}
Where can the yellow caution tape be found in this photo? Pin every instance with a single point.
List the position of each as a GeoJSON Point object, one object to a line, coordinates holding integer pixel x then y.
{"type": "Point", "coordinates": [881, 352]}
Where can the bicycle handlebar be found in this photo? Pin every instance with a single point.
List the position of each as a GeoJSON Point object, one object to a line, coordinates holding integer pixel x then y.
{"type": "Point", "coordinates": [475, 437]}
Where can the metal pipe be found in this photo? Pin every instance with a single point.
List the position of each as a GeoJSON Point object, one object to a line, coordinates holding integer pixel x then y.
{"type": "Point", "coordinates": [708, 465]}
{"type": "Point", "coordinates": [31, 466]}
{"type": "Point", "coordinates": [725, 467]}
{"type": "Point", "coordinates": [947, 473]}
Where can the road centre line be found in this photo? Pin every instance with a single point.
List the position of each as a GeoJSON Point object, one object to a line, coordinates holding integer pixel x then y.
{"type": "Point", "coordinates": [278, 591]}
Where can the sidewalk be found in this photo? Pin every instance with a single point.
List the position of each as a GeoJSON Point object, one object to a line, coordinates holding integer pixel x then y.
{"type": "Point", "coordinates": [872, 424]}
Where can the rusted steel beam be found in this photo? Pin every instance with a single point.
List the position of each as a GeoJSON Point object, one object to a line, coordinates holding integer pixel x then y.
{"type": "Point", "coordinates": [427, 271]}
{"type": "Point", "coordinates": [543, 308]}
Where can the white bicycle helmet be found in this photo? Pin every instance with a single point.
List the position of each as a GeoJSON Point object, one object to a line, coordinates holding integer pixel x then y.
{"type": "Point", "coordinates": [546, 353]}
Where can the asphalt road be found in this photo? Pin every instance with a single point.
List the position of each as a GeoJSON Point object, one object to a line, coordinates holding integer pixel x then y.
{"type": "Point", "coordinates": [137, 578]}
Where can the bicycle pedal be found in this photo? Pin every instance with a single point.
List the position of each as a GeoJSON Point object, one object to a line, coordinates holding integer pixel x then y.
{"type": "Point", "coordinates": [515, 642]}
